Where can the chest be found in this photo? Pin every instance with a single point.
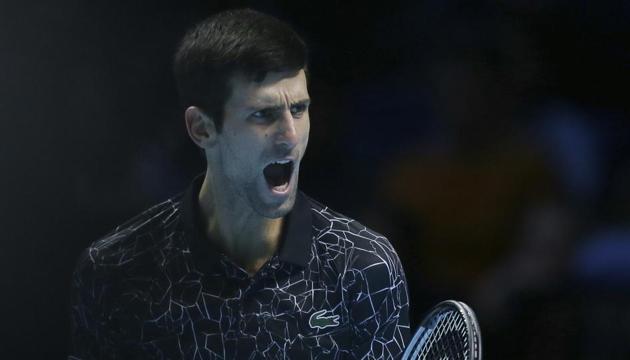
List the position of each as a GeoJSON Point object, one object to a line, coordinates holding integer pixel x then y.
{"type": "Point", "coordinates": [280, 314]}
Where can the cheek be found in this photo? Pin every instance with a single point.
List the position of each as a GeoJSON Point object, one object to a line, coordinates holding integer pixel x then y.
{"type": "Point", "coordinates": [245, 153]}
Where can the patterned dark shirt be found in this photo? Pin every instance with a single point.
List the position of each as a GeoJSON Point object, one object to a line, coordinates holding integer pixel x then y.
{"type": "Point", "coordinates": [155, 288]}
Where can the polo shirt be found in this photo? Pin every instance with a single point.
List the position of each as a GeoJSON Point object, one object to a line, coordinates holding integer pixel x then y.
{"type": "Point", "coordinates": [156, 288]}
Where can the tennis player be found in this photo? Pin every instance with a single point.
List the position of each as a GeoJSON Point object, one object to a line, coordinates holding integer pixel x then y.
{"type": "Point", "coordinates": [242, 265]}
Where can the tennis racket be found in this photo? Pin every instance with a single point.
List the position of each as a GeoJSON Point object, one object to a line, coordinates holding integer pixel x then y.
{"type": "Point", "coordinates": [449, 332]}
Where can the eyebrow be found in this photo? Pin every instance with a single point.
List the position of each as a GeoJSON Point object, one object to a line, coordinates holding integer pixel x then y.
{"type": "Point", "coordinates": [272, 107]}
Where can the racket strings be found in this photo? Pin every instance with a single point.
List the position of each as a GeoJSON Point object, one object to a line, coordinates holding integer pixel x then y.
{"type": "Point", "coordinates": [448, 340]}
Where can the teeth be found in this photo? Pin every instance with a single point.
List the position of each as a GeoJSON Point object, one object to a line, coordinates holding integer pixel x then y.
{"type": "Point", "coordinates": [282, 162]}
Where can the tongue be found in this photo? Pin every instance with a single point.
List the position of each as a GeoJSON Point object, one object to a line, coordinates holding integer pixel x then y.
{"type": "Point", "coordinates": [274, 173]}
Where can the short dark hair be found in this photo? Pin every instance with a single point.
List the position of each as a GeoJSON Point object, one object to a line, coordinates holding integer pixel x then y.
{"type": "Point", "coordinates": [240, 41]}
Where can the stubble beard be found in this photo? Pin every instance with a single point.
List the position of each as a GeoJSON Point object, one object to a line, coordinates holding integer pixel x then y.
{"type": "Point", "coordinates": [271, 210]}
{"type": "Point", "coordinates": [255, 194]}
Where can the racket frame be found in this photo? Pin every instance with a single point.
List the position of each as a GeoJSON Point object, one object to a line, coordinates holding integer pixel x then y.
{"type": "Point", "coordinates": [470, 320]}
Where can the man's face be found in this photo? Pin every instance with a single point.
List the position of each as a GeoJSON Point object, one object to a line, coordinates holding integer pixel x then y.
{"type": "Point", "coordinates": [264, 137]}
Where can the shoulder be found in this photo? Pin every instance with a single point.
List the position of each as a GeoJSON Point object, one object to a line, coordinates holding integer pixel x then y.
{"type": "Point", "coordinates": [360, 246]}
{"type": "Point", "coordinates": [135, 239]}
{"type": "Point", "coordinates": [115, 274]}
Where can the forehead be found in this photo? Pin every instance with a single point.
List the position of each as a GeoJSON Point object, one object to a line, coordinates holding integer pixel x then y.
{"type": "Point", "coordinates": [277, 88]}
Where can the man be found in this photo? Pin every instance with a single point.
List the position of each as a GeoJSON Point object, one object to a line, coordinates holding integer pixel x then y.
{"type": "Point", "coordinates": [242, 265]}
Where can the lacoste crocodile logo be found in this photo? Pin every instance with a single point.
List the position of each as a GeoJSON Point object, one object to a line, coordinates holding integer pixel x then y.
{"type": "Point", "coordinates": [319, 321]}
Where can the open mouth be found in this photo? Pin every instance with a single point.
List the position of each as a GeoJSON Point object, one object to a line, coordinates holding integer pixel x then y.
{"type": "Point", "coordinates": [278, 174]}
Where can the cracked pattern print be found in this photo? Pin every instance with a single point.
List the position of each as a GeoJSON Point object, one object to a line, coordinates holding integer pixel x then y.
{"type": "Point", "coordinates": [137, 294]}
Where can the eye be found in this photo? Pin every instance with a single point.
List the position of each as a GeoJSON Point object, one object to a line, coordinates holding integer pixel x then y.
{"type": "Point", "coordinates": [262, 116]}
{"type": "Point", "coordinates": [298, 110]}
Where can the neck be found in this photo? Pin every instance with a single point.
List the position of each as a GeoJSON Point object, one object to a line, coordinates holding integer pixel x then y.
{"type": "Point", "coordinates": [234, 227]}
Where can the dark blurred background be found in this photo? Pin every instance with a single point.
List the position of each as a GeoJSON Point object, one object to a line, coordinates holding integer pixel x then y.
{"type": "Point", "coordinates": [488, 140]}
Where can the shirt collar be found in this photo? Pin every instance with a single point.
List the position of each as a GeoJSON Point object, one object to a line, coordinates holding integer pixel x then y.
{"type": "Point", "coordinates": [297, 235]}
{"type": "Point", "coordinates": [205, 256]}
{"type": "Point", "coordinates": [295, 241]}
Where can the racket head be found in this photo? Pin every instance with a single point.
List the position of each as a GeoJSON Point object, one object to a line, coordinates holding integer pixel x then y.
{"type": "Point", "coordinates": [449, 331]}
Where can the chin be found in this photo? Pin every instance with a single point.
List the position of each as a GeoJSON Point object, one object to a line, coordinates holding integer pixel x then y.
{"type": "Point", "coordinates": [276, 214]}
{"type": "Point", "coordinates": [274, 207]}
{"type": "Point", "coordinates": [279, 210]}
{"type": "Point", "coordinates": [270, 202]}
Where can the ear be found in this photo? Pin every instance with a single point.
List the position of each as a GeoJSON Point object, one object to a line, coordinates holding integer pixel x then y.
{"type": "Point", "coordinates": [200, 127]}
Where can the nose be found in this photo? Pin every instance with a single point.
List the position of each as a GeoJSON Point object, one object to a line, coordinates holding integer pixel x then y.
{"type": "Point", "coordinates": [286, 137]}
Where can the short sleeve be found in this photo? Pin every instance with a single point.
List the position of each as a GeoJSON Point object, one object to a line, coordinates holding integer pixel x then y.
{"type": "Point", "coordinates": [376, 291]}
{"type": "Point", "coordinates": [90, 337]}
